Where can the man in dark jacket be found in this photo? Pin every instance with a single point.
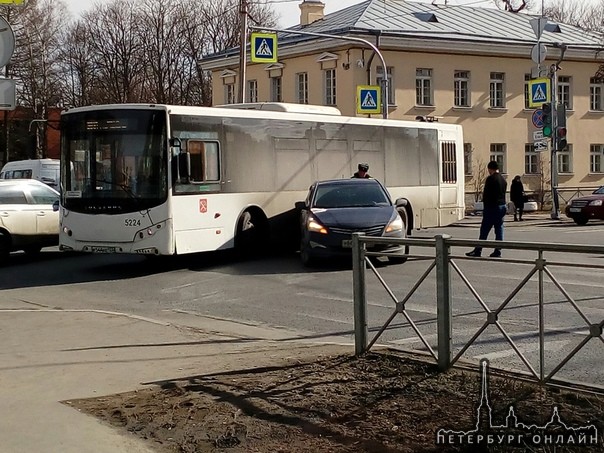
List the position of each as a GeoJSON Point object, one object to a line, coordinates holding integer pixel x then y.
{"type": "Point", "coordinates": [362, 173]}
{"type": "Point", "coordinates": [493, 212]}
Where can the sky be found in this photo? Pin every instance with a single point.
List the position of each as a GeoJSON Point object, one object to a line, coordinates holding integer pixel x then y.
{"type": "Point", "coordinates": [289, 10]}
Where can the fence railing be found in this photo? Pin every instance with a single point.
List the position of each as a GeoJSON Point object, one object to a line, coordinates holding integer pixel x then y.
{"type": "Point", "coordinates": [442, 264]}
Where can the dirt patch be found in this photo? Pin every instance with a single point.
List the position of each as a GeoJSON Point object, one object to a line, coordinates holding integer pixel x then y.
{"type": "Point", "coordinates": [382, 402]}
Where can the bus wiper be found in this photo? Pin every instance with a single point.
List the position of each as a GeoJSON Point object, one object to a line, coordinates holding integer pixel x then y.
{"type": "Point", "coordinates": [128, 191]}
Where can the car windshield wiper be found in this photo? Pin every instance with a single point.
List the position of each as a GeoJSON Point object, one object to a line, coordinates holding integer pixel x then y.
{"type": "Point", "coordinates": [128, 192]}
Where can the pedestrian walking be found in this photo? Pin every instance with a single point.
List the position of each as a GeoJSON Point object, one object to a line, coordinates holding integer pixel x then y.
{"type": "Point", "coordinates": [493, 212]}
{"type": "Point", "coordinates": [517, 197]}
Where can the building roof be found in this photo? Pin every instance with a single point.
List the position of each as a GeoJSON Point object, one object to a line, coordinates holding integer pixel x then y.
{"type": "Point", "coordinates": [450, 22]}
{"type": "Point", "coordinates": [415, 20]}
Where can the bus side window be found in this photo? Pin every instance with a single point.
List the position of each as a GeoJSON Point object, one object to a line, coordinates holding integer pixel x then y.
{"type": "Point", "coordinates": [204, 157]}
{"type": "Point", "coordinates": [196, 151]}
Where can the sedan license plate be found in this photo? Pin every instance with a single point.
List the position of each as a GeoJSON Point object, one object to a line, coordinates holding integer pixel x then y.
{"type": "Point", "coordinates": [347, 243]}
{"type": "Point", "coordinates": [97, 249]}
{"type": "Point", "coordinates": [575, 209]}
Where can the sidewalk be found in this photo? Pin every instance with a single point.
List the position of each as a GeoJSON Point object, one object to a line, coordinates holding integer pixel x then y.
{"type": "Point", "coordinates": [529, 218]}
{"type": "Point", "coordinates": [50, 357]}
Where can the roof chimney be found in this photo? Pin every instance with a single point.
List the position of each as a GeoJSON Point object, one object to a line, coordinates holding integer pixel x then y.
{"type": "Point", "coordinates": [311, 11]}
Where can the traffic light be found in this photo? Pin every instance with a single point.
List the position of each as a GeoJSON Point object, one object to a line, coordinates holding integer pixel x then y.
{"type": "Point", "coordinates": [561, 128]}
{"type": "Point", "coordinates": [547, 119]}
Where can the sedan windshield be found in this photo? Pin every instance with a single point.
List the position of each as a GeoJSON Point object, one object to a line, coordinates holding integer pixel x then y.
{"type": "Point", "coordinates": [599, 191]}
{"type": "Point", "coordinates": [349, 196]}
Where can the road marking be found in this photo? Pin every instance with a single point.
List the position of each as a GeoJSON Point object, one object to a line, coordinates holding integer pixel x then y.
{"type": "Point", "coordinates": [551, 346]}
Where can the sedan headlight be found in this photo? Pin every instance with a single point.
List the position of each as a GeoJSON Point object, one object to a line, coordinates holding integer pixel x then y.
{"type": "Point", "coordinates": [395, 225]}
{"type": "Point", "coordinates": [595, 203]}
{"type": "Point", "coordinates": [314, 225]}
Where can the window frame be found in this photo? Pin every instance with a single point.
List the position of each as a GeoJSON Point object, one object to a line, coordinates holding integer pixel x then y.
{"type": "Point", "coordinates": [564, 160]}
{"type": "Point", "coordinates": [277, 89]}
{"type": "Point", "coordinates": [564, 95]}
{"type": "Point", "coordinates": [379, 77]}
{"type": "Point", "coordinates": [497, 90]}
{"type": "Point", "coordinates": [329, 86]}
{"type": "Point", "coordinates": [229, 93]}
{"type": "Point", "coordinates": [497, 152]}
{"type": "Point", "coordinates": [596, 153]}
{"type": "Point", "coordinates": [596, 92]}
{"type": "Point", "coordinates": [252, 90]}
{"type": "Point", "coordinates": [302, 87]}
{"type": "Point", "coordinates": [531, 159]}
{"type": "Point", "coordinates": [424, 96]}
{"type": "Point", "coordinates": [461, 83]}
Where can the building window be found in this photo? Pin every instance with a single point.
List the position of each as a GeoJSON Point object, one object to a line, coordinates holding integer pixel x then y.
{"type": "Point", "coordinates": [596, 158]}
{"type": "Point", "coordinates": [565, 160]}
{"type": "Point", "coordinates": [497, 90]}
{"type": "Point", "coordinates": [527, 78]}
{"type": "Point", "coordinates": [531, 160]}
{"type": "Point", "coordinates": [467, 158]}
{"type": "Point", "coordinates": [329, 78]}
{"type": "Point", "coordinates": [276, 95]}
{"type": "Point", "coordinates": [461, 87]}
{"type": "Point", "coordinates": [423, 87]}
{"type": "Point", "coordinates": [379, 80]}
{"type": "Point", "coordinates": [302, 88]}
{"type": "Point", "coordinates": [229, 93]}
{"type": "Point", "coordinates": [595, 94]}
{"type": "Point", "coordinates": [498, 155]}
{"type": "Point", "coordinates": [252, 90]}
{"type": "Point", "coordinates": [564, 91]}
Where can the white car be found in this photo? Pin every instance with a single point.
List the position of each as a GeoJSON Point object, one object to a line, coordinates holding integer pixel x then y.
{"type": "Point", "coordinates": [29, 216]}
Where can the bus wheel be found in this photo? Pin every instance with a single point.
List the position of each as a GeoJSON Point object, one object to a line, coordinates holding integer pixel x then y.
{"type": "Point", "coordinates": [251, 233]}
{"type": "Point", "coordinates": [402, 258]}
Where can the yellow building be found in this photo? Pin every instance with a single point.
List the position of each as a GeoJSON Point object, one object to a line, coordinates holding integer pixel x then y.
{"type": "Point", "coordinates": [457, 64]}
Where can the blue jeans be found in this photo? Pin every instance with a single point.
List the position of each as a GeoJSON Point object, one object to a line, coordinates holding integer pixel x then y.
{"type": "Point", "coordinates": [492, 217]}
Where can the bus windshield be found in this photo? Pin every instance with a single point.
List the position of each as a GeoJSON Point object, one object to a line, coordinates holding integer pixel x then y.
{"type": "Point", "coordinates": [114, 161]}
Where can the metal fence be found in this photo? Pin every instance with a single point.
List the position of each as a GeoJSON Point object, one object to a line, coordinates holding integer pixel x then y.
{"type": "Point", "coordinates": [441, 265]}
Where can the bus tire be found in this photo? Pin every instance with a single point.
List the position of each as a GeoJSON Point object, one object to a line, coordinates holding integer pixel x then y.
{"type": "Point", "coordinates": [252, 234]}
{"type": "Point", "coordinates": [404, 213]}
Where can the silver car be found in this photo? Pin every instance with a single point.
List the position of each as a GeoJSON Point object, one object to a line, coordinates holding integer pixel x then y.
{"type": "Point", "coordinates": [29, 216]}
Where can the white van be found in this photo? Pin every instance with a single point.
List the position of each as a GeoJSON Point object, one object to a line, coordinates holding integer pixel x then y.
{"type": "Point", "coordinates": [44, 170]}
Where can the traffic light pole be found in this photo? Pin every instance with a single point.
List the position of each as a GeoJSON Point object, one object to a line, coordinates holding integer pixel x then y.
{"type": "Point", "coordinates": [555, 214]}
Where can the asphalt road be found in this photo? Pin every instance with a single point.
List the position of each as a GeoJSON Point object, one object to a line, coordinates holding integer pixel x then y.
{"type": "Point", "coordinates": [276, 297]}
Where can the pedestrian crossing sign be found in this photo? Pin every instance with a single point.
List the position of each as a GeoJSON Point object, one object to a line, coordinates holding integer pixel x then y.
{"type": "Point", "coordinates": [264, 47]}
{"type": "Point", "coordinates": [369, 99]}
{"type": "Point", "coordinates": [539, 91]}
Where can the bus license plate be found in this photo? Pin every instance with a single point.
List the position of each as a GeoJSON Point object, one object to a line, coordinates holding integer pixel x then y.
{"type": "Point", "coordinates": [347, 243]}
{"type": "Point", "coordinates": [98, 249]}
{"type": "Point", "coordinates": [575, 209]}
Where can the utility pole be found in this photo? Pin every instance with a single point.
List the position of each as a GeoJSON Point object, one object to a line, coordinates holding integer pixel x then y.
{"type": "Point", "coordinates": [242, 49]}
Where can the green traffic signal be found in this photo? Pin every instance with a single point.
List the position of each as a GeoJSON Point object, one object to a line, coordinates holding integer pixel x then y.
{"type": "Point", "coordinates": [547, 120]}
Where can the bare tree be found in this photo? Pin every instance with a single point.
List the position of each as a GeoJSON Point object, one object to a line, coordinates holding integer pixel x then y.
{"type": "Point", "coordinates": [39, 27]}
{"type": "Point", "coordinates": [118, 50]}
{"type": "Point", "coordinates": [479, 175]}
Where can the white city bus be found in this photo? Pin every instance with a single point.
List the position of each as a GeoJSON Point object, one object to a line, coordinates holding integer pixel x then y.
{"type": "Point", "coordinates": [165, 180]}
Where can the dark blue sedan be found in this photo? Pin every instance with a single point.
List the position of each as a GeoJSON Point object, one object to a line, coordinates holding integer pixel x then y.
{"type": "Point", "coordinates": [335, 209]}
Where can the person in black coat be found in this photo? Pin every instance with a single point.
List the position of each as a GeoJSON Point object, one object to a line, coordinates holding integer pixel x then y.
{"type": "Point", "coordinates": [517, 197]}
{"type": "Point", "coordinates": [493, 212]}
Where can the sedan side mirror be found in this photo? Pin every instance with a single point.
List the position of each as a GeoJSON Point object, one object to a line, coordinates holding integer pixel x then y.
{"type": "Point", "coordinates": [401, 202]}
{"type": "Point", "coordinates": [300, 205]}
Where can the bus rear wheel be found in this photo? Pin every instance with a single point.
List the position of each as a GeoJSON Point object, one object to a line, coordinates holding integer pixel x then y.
{"type": "Point", "coordinates": [251, 234]}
